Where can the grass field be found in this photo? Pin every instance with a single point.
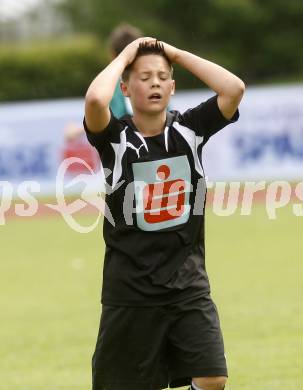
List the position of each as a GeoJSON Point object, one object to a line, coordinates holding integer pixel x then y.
{"type": "Point", "coordinates": [50, 289]}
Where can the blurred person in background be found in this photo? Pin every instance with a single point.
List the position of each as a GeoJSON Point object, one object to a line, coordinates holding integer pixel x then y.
{"type": "Point", "coordinates": [120, 37]}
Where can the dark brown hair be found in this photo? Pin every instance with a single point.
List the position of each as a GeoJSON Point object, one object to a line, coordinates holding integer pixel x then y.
{"type": "Point", "coordinates": [144, 49]}
{"type": "Point", "coordinates": [121, 36]}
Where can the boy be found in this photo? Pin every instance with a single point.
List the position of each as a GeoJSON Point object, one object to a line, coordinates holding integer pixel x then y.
{"type": "Point", "coordinates": [159, 325]}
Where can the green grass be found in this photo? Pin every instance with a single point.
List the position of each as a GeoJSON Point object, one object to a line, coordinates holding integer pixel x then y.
{"type": "Point", "coordinates": [50, 288]}
{"type": "Point", "coordinates": [256, 271]}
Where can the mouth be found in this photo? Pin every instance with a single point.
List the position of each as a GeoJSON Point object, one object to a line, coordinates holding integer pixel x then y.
{"type": "Point", "coordinates": [155, 96]}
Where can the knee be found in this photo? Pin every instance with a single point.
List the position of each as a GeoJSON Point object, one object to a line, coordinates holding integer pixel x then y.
{"type": "Point", "coordinates": [211, 383]}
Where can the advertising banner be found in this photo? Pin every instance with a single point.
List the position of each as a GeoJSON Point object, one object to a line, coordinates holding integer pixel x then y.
{"type": "Point", "coordinates": [265, 144]}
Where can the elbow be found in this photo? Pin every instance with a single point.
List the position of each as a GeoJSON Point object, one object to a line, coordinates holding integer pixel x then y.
{"type": "Point", "coordinates": [238, 88]}
{"type": "Point", "coordinates": [94, 100]}
{"type": "Point", "coordinates": [234, 90]}
{"type": "Point", "coordinates": [241, 87]}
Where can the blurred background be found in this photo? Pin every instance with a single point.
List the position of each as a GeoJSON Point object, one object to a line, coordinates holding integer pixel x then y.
{"type": "Point", "coordinates": [61, 44]}
{"type": "Point", "coordinates": [50, 50]}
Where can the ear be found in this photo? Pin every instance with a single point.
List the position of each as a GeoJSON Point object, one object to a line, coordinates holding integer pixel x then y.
{"type": "Point", "coordinates": [173, 87]}
{"type": "Point", "coordinates": [124, 88]}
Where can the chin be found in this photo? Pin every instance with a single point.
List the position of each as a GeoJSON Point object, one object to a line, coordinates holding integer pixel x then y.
{"type": "Point", "coordinates": [156, 110]}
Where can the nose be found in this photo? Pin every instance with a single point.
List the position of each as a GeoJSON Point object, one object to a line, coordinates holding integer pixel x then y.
{"type": "Point", "coordinates": [155, 81]}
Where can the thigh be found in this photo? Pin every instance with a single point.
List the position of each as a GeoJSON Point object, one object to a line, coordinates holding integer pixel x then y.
{"type": "Point", "coordinates": [130, 350]}
{"type": "Point", "coordinates": [196, 347]}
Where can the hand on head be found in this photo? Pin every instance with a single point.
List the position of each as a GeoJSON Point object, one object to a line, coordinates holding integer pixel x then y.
{"type": "Point", "coordinates": [170, 51]}
{"type": "Point", "coordinates": [130, 50]}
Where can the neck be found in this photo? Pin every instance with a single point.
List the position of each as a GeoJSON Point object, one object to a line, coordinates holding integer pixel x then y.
{"type": "Point", "coordinates": [150, 124]}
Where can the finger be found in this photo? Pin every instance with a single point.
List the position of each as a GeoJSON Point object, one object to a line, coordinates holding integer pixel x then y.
{"type": "Point", "coordinates": [148, 39]}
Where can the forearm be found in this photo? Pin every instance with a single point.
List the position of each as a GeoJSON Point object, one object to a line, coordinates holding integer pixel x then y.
{"type": "Point", "coordinates": [102, 88]}
{"type": "Point", "coordinates": [214, 76]}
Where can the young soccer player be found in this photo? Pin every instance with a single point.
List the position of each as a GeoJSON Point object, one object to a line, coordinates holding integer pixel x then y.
{"type": "Point", "coordinates": [159, 325]}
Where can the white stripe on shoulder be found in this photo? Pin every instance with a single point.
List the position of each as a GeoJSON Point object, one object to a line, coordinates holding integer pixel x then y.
{"type": "Point", "coordinates": [193, 141]}
{"type": "Point", "coordinates": [142, 139]}
{"type": "Point", "coordinates": [119, 150]}
{"type": "Point", "coordinates": [166, 137]}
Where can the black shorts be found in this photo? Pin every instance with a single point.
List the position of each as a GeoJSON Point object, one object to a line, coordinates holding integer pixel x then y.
{"type": "Point", "coordinates": [152, 347]}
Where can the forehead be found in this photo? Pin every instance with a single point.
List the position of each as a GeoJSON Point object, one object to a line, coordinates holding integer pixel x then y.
{"type": "Point", "coordinates": [151, 63]}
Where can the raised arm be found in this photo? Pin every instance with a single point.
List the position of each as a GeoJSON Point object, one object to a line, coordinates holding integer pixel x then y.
{"type": "Point", "coordinates": [229, 87]}
{"type": "Point", "coordinates": [101, 90]}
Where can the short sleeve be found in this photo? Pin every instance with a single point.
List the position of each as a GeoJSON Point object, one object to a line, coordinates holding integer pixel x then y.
{"type": "Point", "coordinates": [109, 134]}
{"type": "Point", "coordinates": [206, 119]}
